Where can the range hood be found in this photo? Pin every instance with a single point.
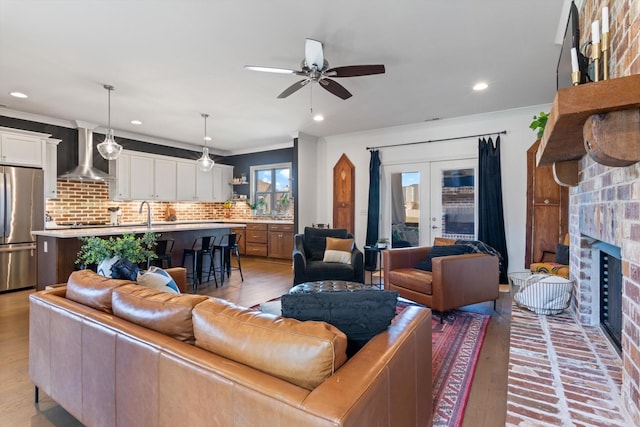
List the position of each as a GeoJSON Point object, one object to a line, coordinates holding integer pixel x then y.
{"type": "Point", "coordinates": [85, 170]}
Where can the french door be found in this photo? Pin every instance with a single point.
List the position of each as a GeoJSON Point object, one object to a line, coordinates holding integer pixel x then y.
{"type": "Point", "coordinates": [428, 200]}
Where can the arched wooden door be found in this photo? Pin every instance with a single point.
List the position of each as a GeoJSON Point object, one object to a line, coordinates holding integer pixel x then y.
{"type": "Point", "coordinates": [344, 182]}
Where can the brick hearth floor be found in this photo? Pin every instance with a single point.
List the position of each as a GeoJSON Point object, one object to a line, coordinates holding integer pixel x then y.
{"type": "Point", "coordinates": [561, 373]}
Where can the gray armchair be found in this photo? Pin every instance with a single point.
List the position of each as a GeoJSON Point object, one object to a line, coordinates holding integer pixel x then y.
{"type": "Point", "coordinates": [308, 253]}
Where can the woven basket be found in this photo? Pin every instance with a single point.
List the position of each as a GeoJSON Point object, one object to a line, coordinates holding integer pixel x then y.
{"type": "Point", "coordinates": [541, 293]}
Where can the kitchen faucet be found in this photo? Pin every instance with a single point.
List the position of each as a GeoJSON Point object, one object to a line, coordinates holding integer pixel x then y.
{"type": "Point", "coordinates": [148, 212]}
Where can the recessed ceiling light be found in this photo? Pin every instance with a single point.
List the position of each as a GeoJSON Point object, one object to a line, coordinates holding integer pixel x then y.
{"type": "Point", "coordinates": [136, 122]}
{"type": "Point", "coordinates": [480, 86]}
{"type": "Point", "coordinates": [318, 117]}
{"type": "Point", "coordinates": [19, 94]}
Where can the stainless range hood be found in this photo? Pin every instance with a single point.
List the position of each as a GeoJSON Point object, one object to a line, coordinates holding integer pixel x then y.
{"type": "Point", "coordinates": [85, 170]}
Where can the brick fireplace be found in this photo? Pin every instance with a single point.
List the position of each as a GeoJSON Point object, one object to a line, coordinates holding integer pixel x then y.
{"type": "Point", "coordinates": [605, 207]}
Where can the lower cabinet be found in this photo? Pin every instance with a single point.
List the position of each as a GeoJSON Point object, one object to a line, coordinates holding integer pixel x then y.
{"type": "Point", "coordinates": [241, 238]}
{"type": "Point", "coordinates": [280, 240]}
{"type": "Point", "coordinates": [256, 239]}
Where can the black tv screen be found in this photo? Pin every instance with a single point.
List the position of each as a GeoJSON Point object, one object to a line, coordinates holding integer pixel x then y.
{"type": "Point", "coordinates": [571, 40]}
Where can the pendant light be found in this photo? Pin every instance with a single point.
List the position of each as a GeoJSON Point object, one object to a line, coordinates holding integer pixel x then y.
{"type": "Point", "coordinates": [109, 148]}
{"type": "Point", "coordinates": [205, 163]}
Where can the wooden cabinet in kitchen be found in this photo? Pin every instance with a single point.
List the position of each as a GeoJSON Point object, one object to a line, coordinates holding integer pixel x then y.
{"type": "Point", "coordinates": [241, 238]}
{"type": "Point", "coordinates": [256, 239]}
{"type": "Point", "coordinates": [280, 240]}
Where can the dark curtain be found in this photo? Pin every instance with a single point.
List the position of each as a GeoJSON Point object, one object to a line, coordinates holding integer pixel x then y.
{"type": "Point", "coordinates": [373, 214]}
{"type": "Point", "coordinates": [490, 210]}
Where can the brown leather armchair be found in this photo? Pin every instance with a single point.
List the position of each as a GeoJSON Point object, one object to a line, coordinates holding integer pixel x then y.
{"type": "Point", "coordinates": [455, 280]}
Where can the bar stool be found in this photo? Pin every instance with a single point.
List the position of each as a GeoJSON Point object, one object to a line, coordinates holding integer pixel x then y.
{"type": "Point", "coordinates": [228, 243]}
{"type": "Point", "coordinates": [201, 246]}
{"type": "Point", "coordinates": [163, 250]}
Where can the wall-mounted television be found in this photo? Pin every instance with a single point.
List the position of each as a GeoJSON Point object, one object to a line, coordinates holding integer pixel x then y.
{"type": "Point", "coordinates": [571, 40]}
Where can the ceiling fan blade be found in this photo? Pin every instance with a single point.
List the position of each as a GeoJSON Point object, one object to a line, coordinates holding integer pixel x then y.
{"type": "Point", "coordinates": [294, 87]}
{"type": "Point", "coordinates": [273, 70]}
{"type": "Point", "coordinates": [313, 54]}
{"type": "Point", "coordinates": [335, 88]}
{"type": "Point", "coordinates": [355, 70]}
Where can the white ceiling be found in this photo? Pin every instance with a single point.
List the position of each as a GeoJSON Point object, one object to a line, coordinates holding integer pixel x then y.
{"type": "Point", "coordinates": [170, 60]}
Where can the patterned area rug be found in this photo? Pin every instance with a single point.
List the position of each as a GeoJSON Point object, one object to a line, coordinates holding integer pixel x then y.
{"type": "Point", "coordinates": [456, 347]}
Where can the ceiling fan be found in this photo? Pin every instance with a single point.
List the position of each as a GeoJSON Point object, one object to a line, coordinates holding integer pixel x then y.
{"type": "Point", "coordinates": [315, 68]}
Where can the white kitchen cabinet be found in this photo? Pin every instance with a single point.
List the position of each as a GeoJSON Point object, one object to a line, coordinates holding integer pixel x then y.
{"type": "Point", "coordinates": [51, 168]}
{"type": "Point", "coordinates": [121, 170]}
{"type": "Point", "coordinates": [186, 181]}
{"type": "Point", "coordinates": [24, 148]}
{"type": "Point", "coordinates": [204, 185]}
{"type": "Point", "coordinates": [227, 178]}
{"type": "Point", "coordinates": [152, 178]}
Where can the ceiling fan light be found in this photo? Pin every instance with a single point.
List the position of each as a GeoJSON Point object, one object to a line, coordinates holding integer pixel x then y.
{"type": "Point", "coordinates": [318, 117]}
{"type": "Point", "coordinates": [205, 163]}
{"type": "Point", "coordinates": [109, 148]}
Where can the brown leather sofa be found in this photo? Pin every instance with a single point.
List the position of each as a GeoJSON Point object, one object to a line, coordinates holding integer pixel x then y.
{"type": "Point", "coordinates": [455, 280]}
{"type": "Point", "coordinates": [113, 353]}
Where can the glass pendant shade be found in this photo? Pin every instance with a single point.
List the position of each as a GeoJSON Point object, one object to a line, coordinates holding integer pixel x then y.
{"type": "Point", "coordinates": [205, 163]}
{"type": "Point", "coordinates": [109, 148]}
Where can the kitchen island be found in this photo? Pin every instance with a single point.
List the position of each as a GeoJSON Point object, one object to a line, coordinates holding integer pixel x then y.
{"type": "Point", "coordinates": [58, 248]}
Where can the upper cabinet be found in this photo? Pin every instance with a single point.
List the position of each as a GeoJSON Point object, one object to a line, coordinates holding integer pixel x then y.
{"type": "Point", "coordinates": [142, 176]}
{"type": "Point", "coordinates": [34, 149]}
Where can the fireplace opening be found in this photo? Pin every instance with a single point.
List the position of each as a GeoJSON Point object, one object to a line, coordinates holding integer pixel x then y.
{"type": "Point", "coordinates": [611, 293]}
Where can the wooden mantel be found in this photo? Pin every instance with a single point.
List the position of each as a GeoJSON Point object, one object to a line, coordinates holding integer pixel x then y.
{"type": "Point", "coordinates": [563, 138]}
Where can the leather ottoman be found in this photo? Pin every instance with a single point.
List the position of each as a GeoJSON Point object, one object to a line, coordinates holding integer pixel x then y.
{"type": "Point", "coordinates": [329, 286]}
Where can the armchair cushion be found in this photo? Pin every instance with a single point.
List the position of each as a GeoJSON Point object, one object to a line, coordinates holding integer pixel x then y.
{"type": "Point", "coordinates": [315, 240]}
{"type": "Point", "coordinates": [438, 251]}
{"type": "Point", "coordinates": [338, 250]}
{"type": "Point", "coordinates": [562, 254]}
{"type": "Point", "coordinates": [414, 279]}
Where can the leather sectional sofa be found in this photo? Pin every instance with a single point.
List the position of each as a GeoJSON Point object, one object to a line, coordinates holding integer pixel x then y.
{"type": "Point", "coordinates": [113, 353]}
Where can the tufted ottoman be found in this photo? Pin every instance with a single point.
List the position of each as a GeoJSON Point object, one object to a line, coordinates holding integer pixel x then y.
{"type": "Point", "coordinates": [329, 286]}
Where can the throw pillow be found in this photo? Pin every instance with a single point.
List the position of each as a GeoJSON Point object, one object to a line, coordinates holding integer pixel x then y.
{"type": "Point", "coordinates": [562, 254]}
{"type": "Point", "coordinates": [360, 315]}
{"type": "Point", "coordinates": [157, 278]}
{"type": "Point", "coordinates": [315, 240]}
{"type": "Point", "coordinates": [438, 251]}
{"type": "Point", "coordinates": [338, 250]}
{"type": "Point", "coordinates": [104, 266]}
{"type": "Point", "coordinates": [125, 269]}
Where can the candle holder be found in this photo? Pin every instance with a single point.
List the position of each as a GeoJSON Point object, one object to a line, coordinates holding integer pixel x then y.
{"type": "Point", "coordinates": [605, 56]}
{"type": "Point", "coordinates": [595, 55]}
{"type": "Point", "coordinates": [575, 78]}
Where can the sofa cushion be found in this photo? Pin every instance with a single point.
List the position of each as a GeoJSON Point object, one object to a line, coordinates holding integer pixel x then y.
{"type": "Point", "coordinates": [338, 250]}
{"type": "Point", "coordinates": [164, 312]}
{"type": "Point", "coordinates": [157, 278]}
{"type": "Point", "coordinates": [91, 289]}
{"type": "Point", "coordinates": [438, 251]}
{"type": "Point", "coordinates": [315, 240]}
{"type": "Point", "coordinates": [302, 353]}
{"type": "Point", "coordinates": [412, 278]}
{"type": "Point", "coordinates": [360, 315]}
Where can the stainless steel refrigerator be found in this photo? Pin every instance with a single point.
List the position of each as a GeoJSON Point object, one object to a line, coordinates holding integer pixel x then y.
{"type": "Point", "coordinates": [21, 212]}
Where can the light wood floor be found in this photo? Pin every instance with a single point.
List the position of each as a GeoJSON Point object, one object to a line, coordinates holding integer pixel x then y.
{"type": "Point", "coordinates": [264, 280]}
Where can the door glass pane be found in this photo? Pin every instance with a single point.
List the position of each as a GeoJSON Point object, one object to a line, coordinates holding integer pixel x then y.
{"type": "Point", "coordinates": [458, 204]}
{"type": "Point", "coordinates": [282, 179]}
{"type": "Point", "coordinates": [405, 210]}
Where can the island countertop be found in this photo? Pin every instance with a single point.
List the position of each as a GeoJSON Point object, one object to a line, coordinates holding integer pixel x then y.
{"type": "Point", "coordinates": [63, 232]}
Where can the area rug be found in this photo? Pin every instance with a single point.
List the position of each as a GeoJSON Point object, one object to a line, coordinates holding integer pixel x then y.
{"type": "Point", "coordinates": [456, 348]}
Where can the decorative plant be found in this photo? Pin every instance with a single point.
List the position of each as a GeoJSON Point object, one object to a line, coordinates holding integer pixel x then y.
{"type": "Point", "coordinates": [539, 123]}
{"type": "Point", "coordinates": [383, 242]}
{"type": "Point", "coordinates": [284, 201]}
{"type": "Point", "coordinates": [127, 246]}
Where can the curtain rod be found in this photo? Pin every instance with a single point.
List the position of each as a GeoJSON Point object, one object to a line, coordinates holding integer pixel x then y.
{"type": "Point", "coordinates": [502, 132]}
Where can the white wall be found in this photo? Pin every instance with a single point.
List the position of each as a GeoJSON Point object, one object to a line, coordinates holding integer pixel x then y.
{"type": "Point", "coordinates": [513, 155]}
{"type": "Point", "coordinates": [307, 203]}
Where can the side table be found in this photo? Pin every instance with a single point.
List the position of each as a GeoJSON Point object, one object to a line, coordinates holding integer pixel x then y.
{"type": "Point", "coordinates": [378, 256]}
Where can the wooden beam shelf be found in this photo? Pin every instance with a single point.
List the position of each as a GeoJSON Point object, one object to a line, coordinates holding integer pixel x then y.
{"type": "Point", "coordinates": [563, 137]}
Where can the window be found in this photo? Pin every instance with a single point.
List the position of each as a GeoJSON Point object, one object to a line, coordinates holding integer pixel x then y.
{"type": "Point", "coordinates": [272, 184]}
